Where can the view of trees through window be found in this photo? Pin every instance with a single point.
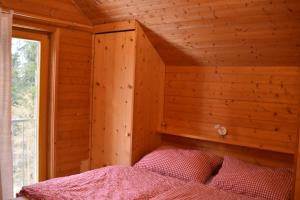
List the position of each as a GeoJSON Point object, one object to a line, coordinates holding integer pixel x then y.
{"type": "Point", "coordinates": [25, 68]}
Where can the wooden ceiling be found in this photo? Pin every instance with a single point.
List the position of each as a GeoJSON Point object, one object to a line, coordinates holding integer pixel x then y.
{"type": "Point", "coordinates": [211, 32]}
{"type": "Point", "coordinates": [189, 32]}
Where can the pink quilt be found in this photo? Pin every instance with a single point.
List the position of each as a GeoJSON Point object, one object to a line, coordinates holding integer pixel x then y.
{"type": "Point", "coordinates": [128, 183]}
{"type": "Point", "coordinates": [197, 191]}
{"type": "Point", "coordinates": [114, 182]}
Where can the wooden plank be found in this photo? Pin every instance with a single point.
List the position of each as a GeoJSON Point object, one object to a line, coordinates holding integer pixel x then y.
{"type": "Point", "coordinates": [115, 27]}
{"type": "Point", "coordinates": [91, 106]}
{"type": "Point", "coordinates": [233, 108]}
{"type": "Point", "coordinates": [72, 101]}
{"type": "Point", "coordinates": [148, 96]}
{"type": "Point", "coordinates": [231, 70]}
{"type": "Point", "coordinates": [114, 69]}
{"type": "Point", "coordinates": [288, 95]}
{"type": "Point", "coordinates": [55, 40]}
{"type": "Point", "coordinates": [286, 132]}
{"type": "Point", "coordinates": [58, 13]}
{"type": "Point", "coordinates": [213, 137]}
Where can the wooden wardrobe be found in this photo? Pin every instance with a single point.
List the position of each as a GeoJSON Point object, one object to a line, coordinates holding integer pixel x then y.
{"type": "Point", "coordinates": [128, 83]}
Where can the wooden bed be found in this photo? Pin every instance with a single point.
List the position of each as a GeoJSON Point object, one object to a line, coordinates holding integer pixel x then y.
{"type": "Point", "coordinates": [137, 182]}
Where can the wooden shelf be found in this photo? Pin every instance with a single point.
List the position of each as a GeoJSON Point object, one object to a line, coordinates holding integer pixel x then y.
{"type": "Point", "coordinates": [223, 140]}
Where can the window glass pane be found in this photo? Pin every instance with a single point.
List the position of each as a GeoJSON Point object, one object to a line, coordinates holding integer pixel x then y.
{"type": "Point", "coordinates": [25, 80]}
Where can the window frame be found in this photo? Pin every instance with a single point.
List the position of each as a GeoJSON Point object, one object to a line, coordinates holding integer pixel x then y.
{"type": "Point", "coordinates": [43, 104]}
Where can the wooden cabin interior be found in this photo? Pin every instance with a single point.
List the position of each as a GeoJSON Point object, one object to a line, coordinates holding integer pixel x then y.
{"type": "Point", "coordinates": [127, 76]}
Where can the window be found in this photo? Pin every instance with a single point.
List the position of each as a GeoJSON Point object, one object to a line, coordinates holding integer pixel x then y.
{"type": "Point", "coordinates": [30, 57]}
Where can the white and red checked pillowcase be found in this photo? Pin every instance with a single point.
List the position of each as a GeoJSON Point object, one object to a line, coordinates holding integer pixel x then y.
{"type": "Point", "coordinates": [185, 164]}
{"type": "Point", "coordinates": [252, 180]}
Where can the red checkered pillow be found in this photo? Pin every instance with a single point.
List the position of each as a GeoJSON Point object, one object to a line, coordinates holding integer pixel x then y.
{"type": "Point", "coordinates": [252, 180]}
{"type": "Point", "coordinates": [190, 165]}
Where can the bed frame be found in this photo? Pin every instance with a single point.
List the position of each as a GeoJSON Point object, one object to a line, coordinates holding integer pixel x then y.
{"type": "Point", "coordinates": [253, 155]}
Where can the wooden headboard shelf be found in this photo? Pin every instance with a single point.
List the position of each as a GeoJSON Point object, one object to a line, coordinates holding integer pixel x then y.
{"type": "Point", "coordinates": [219, 139]}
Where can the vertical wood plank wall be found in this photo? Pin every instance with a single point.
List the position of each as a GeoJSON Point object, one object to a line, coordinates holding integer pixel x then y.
{"type": "Point", "coordinates": [148, 96]}
{"type": "Point", "coordinates": [113, 99]}
{"type": "Point", "coordinates": [258, 105]}
{"type": "Point", "coordinates": [73, 100]}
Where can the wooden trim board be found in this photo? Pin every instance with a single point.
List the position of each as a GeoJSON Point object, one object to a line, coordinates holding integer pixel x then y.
{"type": "Point", "coordinates": [115, 27]}
{"type": "Point", "coordinates": [47, 20]}
{"type": "Point", "coordinates": [222, 140]}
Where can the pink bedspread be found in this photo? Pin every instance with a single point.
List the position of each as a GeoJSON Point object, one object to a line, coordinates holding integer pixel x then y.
{"type": "Point", "coordinates": [115, 182]}
{"type": "Point", "coordinates": [128, 183]}
{"type": "Point", "coordinates": [196, 191]}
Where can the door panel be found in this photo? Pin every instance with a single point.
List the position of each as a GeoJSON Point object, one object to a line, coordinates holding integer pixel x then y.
{"type": "Point", "coordinates": [113, 99]}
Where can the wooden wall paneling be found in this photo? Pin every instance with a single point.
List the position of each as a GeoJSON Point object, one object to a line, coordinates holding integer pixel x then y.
{"type": "Point", "coordinates": [113, 98]}
{"type": "Point", "coordinates": [52, 10]}
{"type": "Point", "coordinates": [50, 21]}
{"type": "Point", "coordinates": [258, 105]}
{"type": "Point", "coordinates": [116, 26]}
{"type": "Point", "coordinates": [73, 99]}
{"type": "Point", "coordinates": [148, 96]}
{"type": "Point", "coordinates": [25, 24]}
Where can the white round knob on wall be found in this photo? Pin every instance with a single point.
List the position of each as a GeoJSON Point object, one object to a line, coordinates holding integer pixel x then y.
{"type": "Point", "coordinates": [221, 130]}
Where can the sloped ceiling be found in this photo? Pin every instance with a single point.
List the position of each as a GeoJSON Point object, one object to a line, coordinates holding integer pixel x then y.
{"type": "Point", "coordinates": [188, 32]}
{"type": "Point", "coordinates": [211, 32]}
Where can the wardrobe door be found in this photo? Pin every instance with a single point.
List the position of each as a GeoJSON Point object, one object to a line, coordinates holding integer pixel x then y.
{"type": "Point", "coordinates": [113, 99]}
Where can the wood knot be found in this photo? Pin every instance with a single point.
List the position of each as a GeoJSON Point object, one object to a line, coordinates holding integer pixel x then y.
{"type": "Point", "coordinates": [163, 125]}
